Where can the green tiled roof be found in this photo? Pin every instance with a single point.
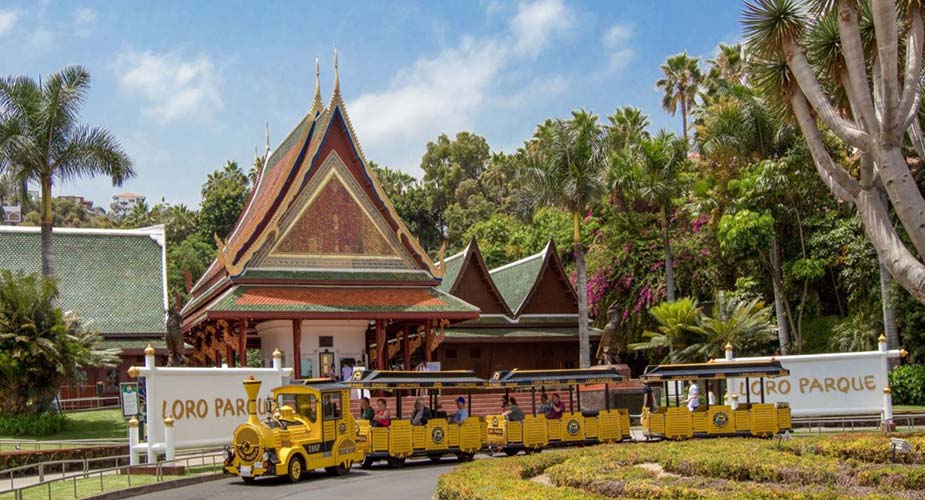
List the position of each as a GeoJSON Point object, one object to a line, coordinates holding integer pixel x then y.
{"type": "Point", "coordinates": [453, 265]}
{"type": "Point", "coordinates": [136, 343]}
{"type": "Point", "coordinates": [515, 280]}
{"type": "Point", "coordinates": [476, 333]}
{"type": "Point", "coordinates": [320, 299]}
{"type": "Point", "coordinates": [333, 275]}
{"type": "Point", "coordinates": [113, 278]}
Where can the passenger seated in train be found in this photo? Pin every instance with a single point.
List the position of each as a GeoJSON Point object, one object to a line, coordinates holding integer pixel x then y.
{"type": "Point", "coordinates": [382, 417]}
{"type": "Point", "coordinates": [556, 408]}
{"type": "Point", "coordinates": [545, 406]}
{"type": "Point", "coordinates": [512, 412]}
{"type": "Point", "coordinates": [438, 410]}
{"type": "Point", "coordinates": [421, 413]}
{"type": "Point", "coordinates": [366, 411]}
{"type": "Point", "coordinates": [461, 412]}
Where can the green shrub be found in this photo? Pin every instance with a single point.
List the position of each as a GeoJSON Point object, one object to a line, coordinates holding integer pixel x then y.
{"type": "Point", "coordinates": [36, 425]}
{"type": "Point", "coordinates": [11, 459]}
{"type": "Point", "coordinates": [908, 384]}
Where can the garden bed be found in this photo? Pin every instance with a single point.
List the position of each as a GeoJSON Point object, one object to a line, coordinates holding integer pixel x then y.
{"type": "Point", "coordinates": [818, 467]}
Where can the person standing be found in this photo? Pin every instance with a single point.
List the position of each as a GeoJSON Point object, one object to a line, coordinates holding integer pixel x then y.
{"type": "Point", "coordinates": [648, 398]}
{"type": "Point", "coordinates": [693, 396]}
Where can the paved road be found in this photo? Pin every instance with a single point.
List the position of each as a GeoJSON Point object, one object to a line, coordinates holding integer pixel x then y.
{"type": "Point", "coordinates": [415, 481]}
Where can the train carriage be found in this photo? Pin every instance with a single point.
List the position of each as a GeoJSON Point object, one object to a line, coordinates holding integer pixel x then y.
{"type": "Point", "coordinates": [309, 426]}
{"type": "Point", "coordinates": [577, 426]}
{"type": "Point", "coordinates": [435, 439]}
{"type": "Point", "coordinates": [711, 420]}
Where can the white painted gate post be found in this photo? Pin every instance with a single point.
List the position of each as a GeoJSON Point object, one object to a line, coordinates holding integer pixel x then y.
{"type": "Point", "coordinates": [133, 441]}
{"type": "Point", "coordinates": [168, 438]}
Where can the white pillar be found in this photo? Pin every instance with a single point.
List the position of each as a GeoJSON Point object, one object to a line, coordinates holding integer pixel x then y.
{"type": "Point", "coordinates": [728, 351]}
{"type": "Point", "coordinates": [277, 360]}
{"type": "Point", "coordinates": [735, 402]}
{"type": "Point", "coordinates": [133, 441]}
{"type": "Point", "coordinates": [168, 438]}
{"type": "Point", "coordinates": [887, 409]}
{"type": "Point", "coordinates": [881, 343]}
{"type": "Point", "coordinates": [154, 430]}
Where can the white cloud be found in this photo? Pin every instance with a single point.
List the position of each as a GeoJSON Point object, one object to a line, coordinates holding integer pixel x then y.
{"type": "Point", "coordinates": [536, 23]}
{"type": "Point", "coordinates": [84, 20]}
{"type": "Point", "coordinates": [7, 20]}
{"type": "Point", "coordinates": [42, 39]}
{"type": "Point", "coordinates": [615, 41]}
{"type": "Point", "coordinates": [453, 89]}
{"type": "Point", "coordinates": [173, 86]}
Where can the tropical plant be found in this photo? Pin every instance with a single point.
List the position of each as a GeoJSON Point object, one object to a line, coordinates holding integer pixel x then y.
{"type": "Point", "coordinates": [651, 173]}
{"type": "Point", "coordinates": [224, 195]}
{"type": "Point", "coordinates": [43, 141]}
{"type": "Point", "coordinates": [41, 346]}
{"type": "Point", "coordinates": [677, 320]}
{"type": "Point", "coordinates": [566, 161]}
{"type": "Point", "coordinates": [746, 324]}
{"type": "Point", "coordinates": [680, 85]}
{"type": "Point", "coordinates": [880, 115]}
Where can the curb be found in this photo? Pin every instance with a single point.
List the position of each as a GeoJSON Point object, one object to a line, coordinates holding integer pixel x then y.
{"type": "Point", "coordinates": [151, 488]}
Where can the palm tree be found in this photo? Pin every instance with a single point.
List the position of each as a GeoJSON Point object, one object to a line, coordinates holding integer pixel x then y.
{"type": "Point", "coordinates": [743, 323]}
{"type": "Point", "coordinates": [565, 163]}
{"type": "Point", "coordinates": [627, 126]}
{"type": "Point", "coordinates": [676, 321]}
{"type": "Point", "coordinates": [680, 85]}
{"type": "Point", "coordinates": [42, 140]}
{"type": "Point", "coordinates": [650, 173]}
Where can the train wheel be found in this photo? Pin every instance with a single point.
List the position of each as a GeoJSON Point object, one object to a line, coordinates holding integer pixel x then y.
{"type": "Point", "coordinates": [465, 457]}
{"type": "Point", "coordinates": [511, 451]}
{"type": "Point", "coordinates": [338, 470]}
{"type": "Point", "coordinates": [296, 469]}
{"type": "Point", "coordinates": [396, 463]}
{"type": "Point", "coordinates": [367, 463]}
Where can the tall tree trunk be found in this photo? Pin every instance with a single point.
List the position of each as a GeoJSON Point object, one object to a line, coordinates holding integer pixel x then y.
{"type": "Point", "coordinates": [889, 316]}
{"type": "Point", "coordinates": [669, 264]}
{"type": "Point", "coordinates": [584, 342]}
{"type": "Point", "coordinates": [48, 266]}
{"type": "Point", "coordinates": [684, 116]}
{"type": "Point", "coordinates": [783, 328]}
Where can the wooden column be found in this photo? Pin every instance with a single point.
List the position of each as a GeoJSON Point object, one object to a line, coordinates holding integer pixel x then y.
{"type": "Point", "coordinates": [229, 355]}
{"type": "Point", "coordinates": [242, 342]}
{"type": "Point", "coordinates": [428, 340]}
{"type": "Point", "coordinates": [381, 345]}
{"type": "Point", "coordinates": [406, 346]}
{"type": "Point", "coordinates": [297, 349]}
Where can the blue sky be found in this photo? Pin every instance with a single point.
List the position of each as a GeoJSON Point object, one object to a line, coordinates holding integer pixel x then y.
{"type": "Point", "coordinates": [187, 85]}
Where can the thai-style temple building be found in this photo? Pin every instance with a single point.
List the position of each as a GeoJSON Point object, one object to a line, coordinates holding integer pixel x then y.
{"type": "Point", "coordinates": [319, 265]}
{"type": "Point", "coordinates": [529, 314]}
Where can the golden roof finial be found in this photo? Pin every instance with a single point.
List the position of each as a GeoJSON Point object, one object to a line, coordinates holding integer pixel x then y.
{"type": "Point", "coordinates": [336, 74]}
{"type": "Point", "coordinates": [316, 102]}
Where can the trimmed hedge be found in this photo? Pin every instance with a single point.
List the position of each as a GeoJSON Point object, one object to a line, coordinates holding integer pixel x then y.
{"type": "Point", "coordinates": [35, 425]}
{"type": "Point", "coordinates": [11, 459]}
{"type": "Point", "coordinates": [811, 468]}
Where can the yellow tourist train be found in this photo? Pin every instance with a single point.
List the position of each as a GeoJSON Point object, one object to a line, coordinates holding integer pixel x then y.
{"type": "Point", "coordinates": [434, 438]}
{"type": "Point", "coordinates": [573, 425]}
{"type": "Point", "coordinates": [711, 420]}
{"type": "Point", "coordinates": [309, 427]}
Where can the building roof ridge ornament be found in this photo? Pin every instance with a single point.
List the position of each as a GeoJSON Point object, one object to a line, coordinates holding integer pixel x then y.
{"type": "Point", "coordinates": [336, 74]}
{"type": "Point", "coordinates": [317, 103]}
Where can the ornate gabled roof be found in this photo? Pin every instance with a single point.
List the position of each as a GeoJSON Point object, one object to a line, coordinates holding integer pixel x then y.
{"type": "Point", "coordinates": [114, 278]}
{"type": "Point", "coordinates": [468, 278]}
{"type": "Point", "coordinates": [317, 207]}
{"type": "Point", "coordinates": [537, 285]}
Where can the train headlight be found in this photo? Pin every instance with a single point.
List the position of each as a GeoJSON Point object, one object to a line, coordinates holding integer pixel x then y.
{"type": "Point", "coordinates": [266, 456]}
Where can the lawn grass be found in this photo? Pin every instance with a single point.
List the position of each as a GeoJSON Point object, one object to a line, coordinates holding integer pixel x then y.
{"type": "Point", "coordinates": [92, 424]}
{"type": "Point", "coordinates": [71, 489]}
{"type": "Point", "coordinates": [897, 408]}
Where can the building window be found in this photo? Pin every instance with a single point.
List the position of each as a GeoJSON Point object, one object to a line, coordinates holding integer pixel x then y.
{"type": "Point", "coordinates": [451, 353]}
{"type": "Point", "coordinates": [326, 341]}
{"type": "Point", "coordinates": [475, 353]}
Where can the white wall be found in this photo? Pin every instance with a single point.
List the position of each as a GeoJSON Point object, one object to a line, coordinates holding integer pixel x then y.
{"type": "Point", "coordinates": [349, 341]}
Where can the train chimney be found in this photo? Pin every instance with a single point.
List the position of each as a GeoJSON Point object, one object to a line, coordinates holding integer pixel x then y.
{"type": "Point", "coordinates": [252, 387]}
